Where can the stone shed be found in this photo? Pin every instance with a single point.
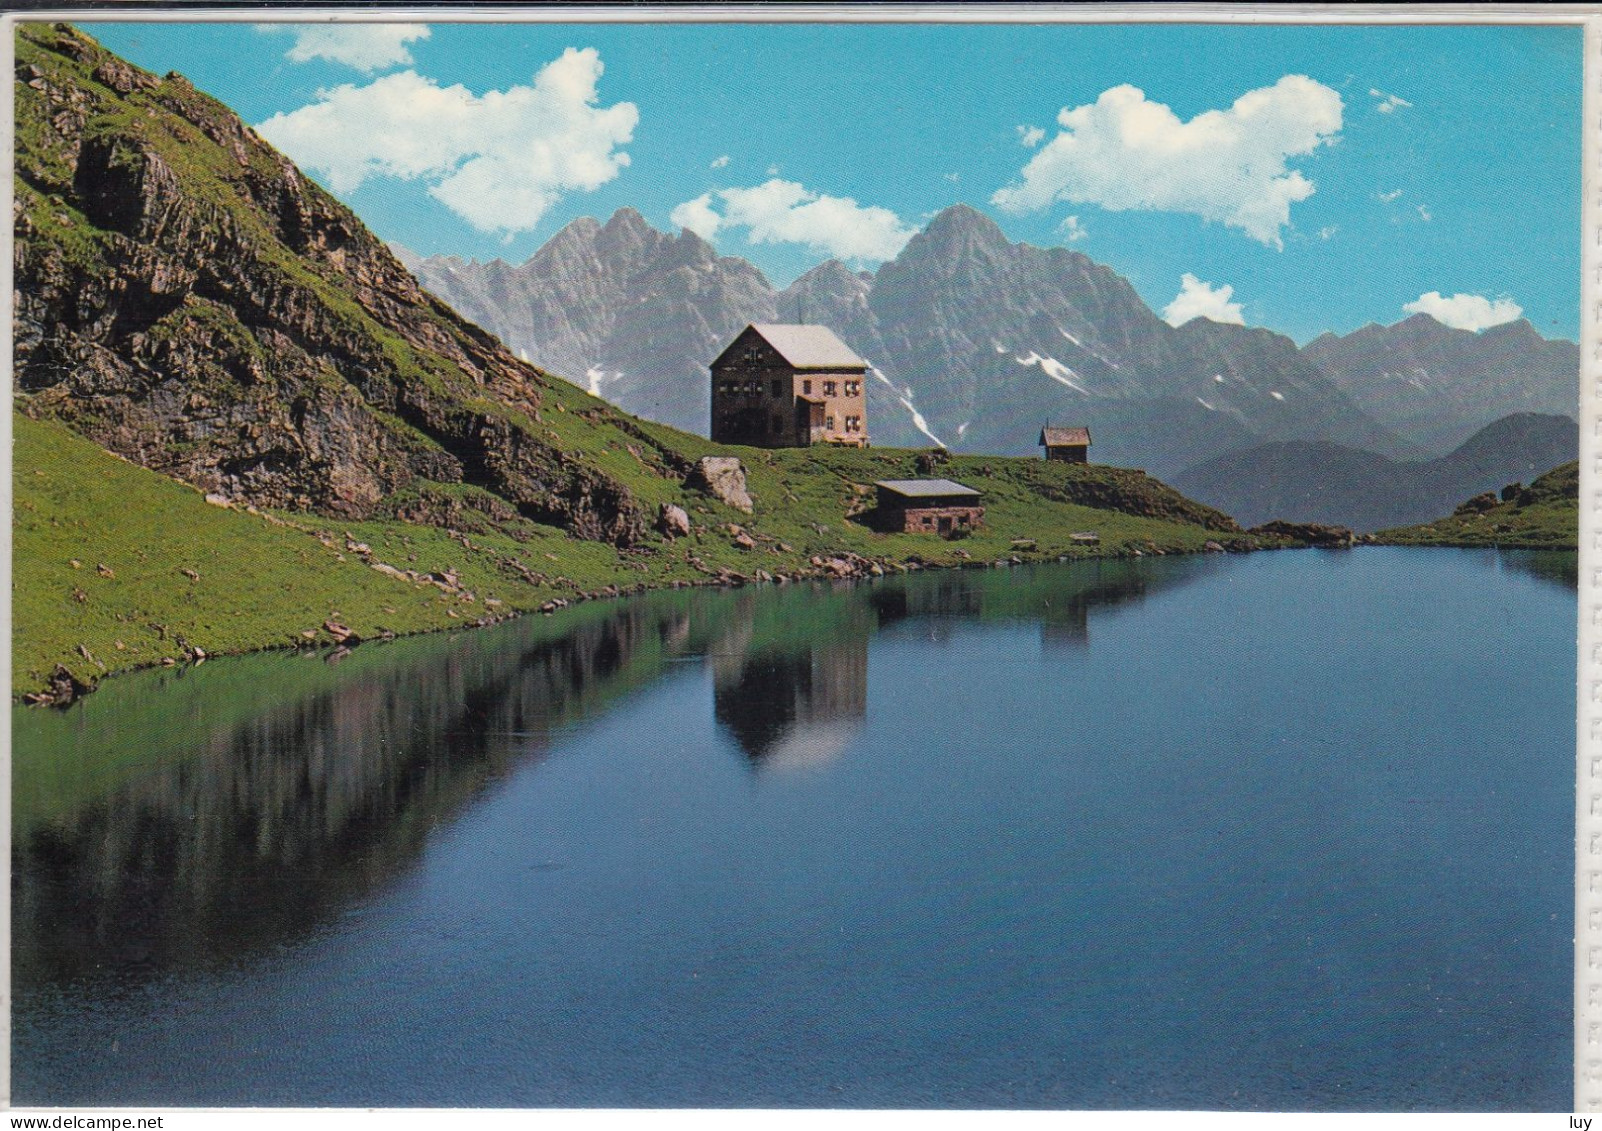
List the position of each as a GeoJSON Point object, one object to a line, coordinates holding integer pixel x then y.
{"type": "Point", "coordinates": [928, 506]}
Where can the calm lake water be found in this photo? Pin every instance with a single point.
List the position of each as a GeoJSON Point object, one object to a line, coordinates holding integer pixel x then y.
{"type": "Point", "coordinates": [1287, 831]}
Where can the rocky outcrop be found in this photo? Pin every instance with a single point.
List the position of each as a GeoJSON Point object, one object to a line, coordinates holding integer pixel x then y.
{"type": "Point", "coordinates": [1479, 504]}
{"type": "Point", "coordinates": [722, 477]}
{"type": "Point", "coordinates": [188, 300]}
{"type": "Point", "coordinates": [1307, 533]}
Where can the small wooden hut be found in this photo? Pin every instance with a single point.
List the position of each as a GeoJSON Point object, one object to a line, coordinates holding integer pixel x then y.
{"type": "Point", "coordinates": [1071, 445]}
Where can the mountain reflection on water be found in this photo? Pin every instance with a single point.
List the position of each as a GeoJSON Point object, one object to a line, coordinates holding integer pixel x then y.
{"type": "Point", "coordinates": [179, 821]}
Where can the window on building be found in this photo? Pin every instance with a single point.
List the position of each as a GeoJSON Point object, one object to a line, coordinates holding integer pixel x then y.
{"type": "Point", "coordinates": [806, 387]}
{"type": "Point", "coordinates": [828, 423]}
{"type": "Point", "coordinates": [853, 388]}
{"type": "Point", "coordinates": [778, 387]}
{"type": "Point", "coordinates": [853, 423]}
{"type": "Point", "coordinates": [829, 388]}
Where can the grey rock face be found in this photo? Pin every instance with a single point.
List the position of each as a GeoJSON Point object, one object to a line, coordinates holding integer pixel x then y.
{"type": "Point", "coordinates": [624, 310]}
{"type": "Point", "coordinates": [1438, 385]}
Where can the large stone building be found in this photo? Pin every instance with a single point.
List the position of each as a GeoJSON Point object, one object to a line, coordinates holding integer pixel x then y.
{"type": "Point", "coordinates": [788, 387]}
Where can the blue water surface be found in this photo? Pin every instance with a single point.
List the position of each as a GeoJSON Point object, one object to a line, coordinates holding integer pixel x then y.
{"type": "Point", "coordinates": [1279, 831]}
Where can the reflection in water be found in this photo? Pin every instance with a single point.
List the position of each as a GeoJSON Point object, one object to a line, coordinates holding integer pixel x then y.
{"type": "Point", "coordinates": [1560, 566]}
{"type": "Point", "coordinates": [425, 877]}
{"type": "Point", "coordinates": [285, 817]}
{"type": "Point", "coordinates": [1065, 619]}
{"type": "Point", "coordinates": [256, 799]}
{"type": "Point", "coordinates": [791, 685]}
{"type": "Point", "coordinates": [796, 703]}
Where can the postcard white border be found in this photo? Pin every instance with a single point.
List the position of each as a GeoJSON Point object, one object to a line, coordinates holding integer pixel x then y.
{"type": "Point", "coordinates": [1588, 696]}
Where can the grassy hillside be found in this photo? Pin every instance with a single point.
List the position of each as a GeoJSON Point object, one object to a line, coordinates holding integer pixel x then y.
{"type": "Point", "coordinates": [1543, 516]}
{"type": "Point", "coordinates": [273, 579]}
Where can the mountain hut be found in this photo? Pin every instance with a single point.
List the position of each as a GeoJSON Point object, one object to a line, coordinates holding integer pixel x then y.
{"type": "Point", "coordinates": [1071, 445]}
{"type": "Point", "coordinates": [781, 386]}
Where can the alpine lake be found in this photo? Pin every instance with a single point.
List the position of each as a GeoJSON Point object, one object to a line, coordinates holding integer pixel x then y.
{"type": "Point", "coordinates": [1288, 831]}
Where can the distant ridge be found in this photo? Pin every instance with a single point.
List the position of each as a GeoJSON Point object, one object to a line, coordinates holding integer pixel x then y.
{"type": "Point", "coordinates": [1328, 483]}
{"type": "Point", "coordinates": [1437, 385]}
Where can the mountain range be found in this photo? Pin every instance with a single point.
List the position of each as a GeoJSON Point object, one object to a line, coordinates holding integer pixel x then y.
{"type": "Point", "coordinates": [975, 341]}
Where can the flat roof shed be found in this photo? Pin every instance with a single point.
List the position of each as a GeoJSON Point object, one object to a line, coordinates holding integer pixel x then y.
{"type": "Point", "coordinates": [920, 491]}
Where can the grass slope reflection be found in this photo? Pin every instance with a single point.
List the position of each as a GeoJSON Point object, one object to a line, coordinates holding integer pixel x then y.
{"type": "Point", "coordinates": [287, 807]}
{"type": "Point", "coordinates": [187, 819]}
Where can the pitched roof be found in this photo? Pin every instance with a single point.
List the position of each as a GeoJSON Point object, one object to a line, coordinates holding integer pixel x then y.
{"type": "Point", "coordinates": [1057, 437]}
{"type": "Point", "coordinates": [809, 347]}
{"type": "Point", "coordinates": [925, 488]}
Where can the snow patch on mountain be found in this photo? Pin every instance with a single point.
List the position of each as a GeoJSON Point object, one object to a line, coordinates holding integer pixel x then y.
{"type": "Point", "coordinates": [904, 395]}
{"type": "Point", "coordinates": [597, 377]}
{"type": "Point", "coordinates": [1054, 369]}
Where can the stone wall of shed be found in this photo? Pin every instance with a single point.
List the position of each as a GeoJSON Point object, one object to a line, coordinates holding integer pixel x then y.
{"type": "Point", "coordinates": [926, 520]}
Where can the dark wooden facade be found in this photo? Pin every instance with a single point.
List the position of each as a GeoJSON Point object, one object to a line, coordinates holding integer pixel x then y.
{"type": "Point", "coordinates": [1071, 445]}
{"type": "Point", "coordinates": [928, 506]}
{"type": "Point", "coordinates": [781, 386]}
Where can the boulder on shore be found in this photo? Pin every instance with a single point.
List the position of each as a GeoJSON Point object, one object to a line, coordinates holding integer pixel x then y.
{"type": "Point", "coordinates": [722, 477]}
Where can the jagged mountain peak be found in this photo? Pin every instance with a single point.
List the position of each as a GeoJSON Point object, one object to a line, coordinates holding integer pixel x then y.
{"type": "Point", "coordinates": [831, 273]}
{"type": "Point", "coordinates": [627, 235]}
{"type": "Point", "coordinates": [1520, 329]}
{"type": "Point", "coordinates": [629, 219]}
{"type": "Point", "coordinates": [972, 331]}
{"type": "Point", "coordinates": [958, 229]}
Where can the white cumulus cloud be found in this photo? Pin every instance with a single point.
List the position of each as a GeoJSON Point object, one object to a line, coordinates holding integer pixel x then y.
{"type": "Point", "coordinates": [499, 160]}
{"type": "Point", "coordinates": [1031, 136]}
{"type": "Point", "coordinates": [780, 211]}
{"type": "Point", "coordinates": [1071, 229]}
{"type": "Point", "coordinates": [719, 162]}
{"type": "Point", "coordinates": [1388, 103]}
{"type": "Point", "coordinates": [698, 216]}
{"type": "Point", "coordinates": [1197, 299]}
{"type": "Point", "coordinates": [367, 47]}
{"type": "Point", "coordinates": [1465, 312]}
{"type": "Point", "coordinates": [1124, 152]}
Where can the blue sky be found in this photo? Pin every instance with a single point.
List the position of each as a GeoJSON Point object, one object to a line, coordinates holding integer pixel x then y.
{"type": "Point", "coordinates": [1328, 176]}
